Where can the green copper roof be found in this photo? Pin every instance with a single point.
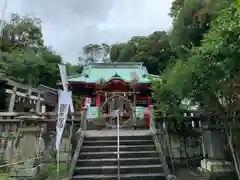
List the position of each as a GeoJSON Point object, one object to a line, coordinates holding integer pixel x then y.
{"type": "Point", "coordinates": [93, 72]}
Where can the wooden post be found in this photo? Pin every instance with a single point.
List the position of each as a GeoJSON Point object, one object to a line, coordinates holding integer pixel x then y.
{"type": "Point", "coordinates": [135, 80]}
{"type": "Point", "coordinates": [12, 100]}
{"type": "Point", "coordinates": [134, 101]}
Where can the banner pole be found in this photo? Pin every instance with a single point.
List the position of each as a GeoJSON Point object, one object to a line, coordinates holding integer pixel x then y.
{"type": "Point", "coordinates": [58, 164]}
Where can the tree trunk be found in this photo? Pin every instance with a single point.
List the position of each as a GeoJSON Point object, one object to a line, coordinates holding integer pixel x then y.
{"type": "Point", "coordinates": [230, 143]}
{"type": "Point", "coordinates": [170, 150]}
{"type": "Point", "coordinates": [235, 140]}
{"type": "Point", "coordinates": [185, 151]}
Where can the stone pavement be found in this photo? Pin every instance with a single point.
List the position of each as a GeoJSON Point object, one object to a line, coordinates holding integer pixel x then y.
{"type": "Point", "coordinates": [113, 132]}
{"type": "Point", "coordinates": [185, 174]}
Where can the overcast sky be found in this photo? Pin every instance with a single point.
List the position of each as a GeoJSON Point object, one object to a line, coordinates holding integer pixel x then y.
{"type": "Point", "coordinates": [70, 24]}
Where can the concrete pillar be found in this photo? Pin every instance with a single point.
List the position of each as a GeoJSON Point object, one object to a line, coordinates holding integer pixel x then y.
{"type": "Point", "coordinates": [43, 109]}
{"type": "Point", "coordinates": [12, 100]}
{"type": "Point", "coordinates": [1, 140]}
{"type": "Point", "coordinates": [214, 143]}
{"type": "Point", "coordinates": [38, 104]}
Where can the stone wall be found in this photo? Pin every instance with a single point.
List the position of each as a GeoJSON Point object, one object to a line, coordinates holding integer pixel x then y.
{"type": "Point", "coordinates": [209, 155]}
{"type": "Point", "coordinates": [177, 149]}
{"type": "Point", "coordinates": [25, 149]}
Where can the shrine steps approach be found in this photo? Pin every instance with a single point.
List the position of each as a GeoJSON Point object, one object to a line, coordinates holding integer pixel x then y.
{"type": "Point", "coordinates": [138, 157]}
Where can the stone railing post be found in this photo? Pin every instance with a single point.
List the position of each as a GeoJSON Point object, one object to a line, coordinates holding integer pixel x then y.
{"type": "Point", "coordinates": [12, 100]}
{"type": "Point", "coordinates": [38, 104]}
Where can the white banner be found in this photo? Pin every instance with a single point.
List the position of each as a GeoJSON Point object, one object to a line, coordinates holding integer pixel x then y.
{"type": "Point", "coordinates": [64, 78]}
{"type": "Point", "coordinates": [64, 102]}
{"type": "Point", "coordinates": [63, 107]}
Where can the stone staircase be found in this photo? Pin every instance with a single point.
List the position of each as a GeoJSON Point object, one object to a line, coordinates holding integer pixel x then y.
{"type": "Point", "coordinates": [138, 159]}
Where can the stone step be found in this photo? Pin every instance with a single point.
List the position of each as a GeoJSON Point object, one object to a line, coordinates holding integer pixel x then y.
{"type": "Point", "coordinates": [113, 142]}
{"type": "Point", "coordinates": [114, 138]}
{"type": "Point", "coordinates": [138, 158]}
{"type": "Point", "coordinates": [114, 148]}
{"type": "Point", "coordinates": [123, 154]}
{"type": "Point", "coordinates": [111, 170]}
{"type": "Point", "coordinates": [113, 162]}
{"type": "Point", "coordinates": [139, 176]}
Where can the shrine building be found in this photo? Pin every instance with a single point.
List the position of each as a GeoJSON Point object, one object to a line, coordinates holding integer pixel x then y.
{"type": "Point", "coordinates": [110, 86]}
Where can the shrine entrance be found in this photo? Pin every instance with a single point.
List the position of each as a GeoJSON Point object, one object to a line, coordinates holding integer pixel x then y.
{"type": "Point", "coordinates": [121, 103]}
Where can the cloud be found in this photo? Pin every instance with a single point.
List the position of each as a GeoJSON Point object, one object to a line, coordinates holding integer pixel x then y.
{"type": "Point", "coordinates": [69, 25]}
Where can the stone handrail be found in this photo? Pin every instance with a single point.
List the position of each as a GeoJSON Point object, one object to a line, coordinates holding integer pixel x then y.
{"type": "Point", "coordinates": [50, 149]}
{"type": "Point", "coordinates": [8, 114]}
{"type": "Point", "coordinates": [158, 145]}
{"type": "Point", "coordinates": [70, 143]}
{"type": "Point", "coordinates": [15, 142]}
{"type": "Point", "coordinates": [80, 135]}
{"type": "Point", "coordinates": [33, 116]}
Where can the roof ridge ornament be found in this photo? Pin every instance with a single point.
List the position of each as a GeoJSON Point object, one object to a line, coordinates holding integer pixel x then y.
{"type": "Point", "coordinates": [116, 75]}
{"type": "Point", "coordinates": [134, 76]}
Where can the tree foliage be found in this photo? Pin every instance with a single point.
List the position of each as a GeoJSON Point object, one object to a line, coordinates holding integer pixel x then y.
{"type": "Point", "coordinates": [23, 55]}
{"type": "Point", "coordinates": [153, 50]}
{"type": "Point", "coordinates": [209, 72]}
{"type": "Point", "coordinates": [95, 53]}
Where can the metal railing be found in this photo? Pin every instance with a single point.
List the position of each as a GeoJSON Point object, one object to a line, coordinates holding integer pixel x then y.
{"type": "Point", "coordinates": [118, 144]}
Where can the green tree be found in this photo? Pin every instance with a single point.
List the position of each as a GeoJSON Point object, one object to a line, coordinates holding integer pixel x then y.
{"type": "Point", "coordinates": [153, 50]}
{"type": "Point", "coordinates": [23, 55]}
{"type": "Point", "coordinates": [105, 51]}
{"type": "Point", "coordinates": [208, 76]}
{"type": "Point", "coordinates": [74, 69]}
{"type": "Point", "coordinates": [187, 31]}
{"type": "Point", "coordinates": [22, 33]}
{"type": "Point", "coordinates": [92, 52]}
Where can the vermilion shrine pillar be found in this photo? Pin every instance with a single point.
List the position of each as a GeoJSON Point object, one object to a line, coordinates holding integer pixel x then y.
{"type": "Point", "coordinates": [98, 103]}
{"type": "Point", "coordinates": [147, 114]}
